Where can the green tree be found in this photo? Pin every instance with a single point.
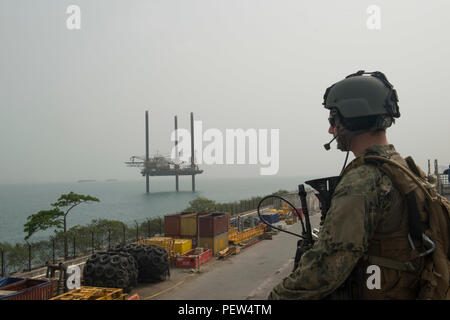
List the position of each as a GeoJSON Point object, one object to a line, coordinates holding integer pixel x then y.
{"type": "Point", "coordinates": [200, 205]}
{"type": "Point", "coordinates": [280, 192]}
{"type": "Point", "coordinates": [56, 218]}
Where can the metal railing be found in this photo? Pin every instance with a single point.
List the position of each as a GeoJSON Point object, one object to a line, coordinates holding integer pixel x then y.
{"type": "Point", "coordinates": [443, 184]}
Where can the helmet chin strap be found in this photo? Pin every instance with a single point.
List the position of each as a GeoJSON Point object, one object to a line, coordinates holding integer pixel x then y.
{"type": "Point", "coordinates": [345, 141]}
{"type": "Point", "coordinates": [345, 138]}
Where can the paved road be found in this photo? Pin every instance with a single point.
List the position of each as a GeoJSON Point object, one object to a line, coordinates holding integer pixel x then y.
{"type": "Point", "coordinates": [249, 275]}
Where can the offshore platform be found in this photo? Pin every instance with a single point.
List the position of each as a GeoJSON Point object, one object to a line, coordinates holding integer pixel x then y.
{"type": "Point", "coordinates": [161, 165]}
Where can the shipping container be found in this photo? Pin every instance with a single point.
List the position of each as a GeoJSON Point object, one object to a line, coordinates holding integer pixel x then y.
{"type": "Point", "coordinates": [172, 225]}
{"type": "Point", "coordinates": [192, 258]}
{"type": "Point", "coordinates": [188, 225]}
{"type": "Point", "coordinates": [180, 246]}
{"type": "Point", "coordinates": [193, 240]}
{"type": "Point", "coordinates": [216, 243]}
{"type": "Point", "coordinates": [213, 224]}
{"type": "Point", "coordinates": [27, 289]}
{"type": "Point", "coordinates": [8, 280]}
{"type": "Point", "coordinates": [271, 217]}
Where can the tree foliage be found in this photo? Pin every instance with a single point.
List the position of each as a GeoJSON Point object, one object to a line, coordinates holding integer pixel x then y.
{"type": "Point", "coordinates": [200, 205]}
{"type": "Point", "coordinates": [43, 220]}
{"type": "Point", "coordinates": [55, 218]}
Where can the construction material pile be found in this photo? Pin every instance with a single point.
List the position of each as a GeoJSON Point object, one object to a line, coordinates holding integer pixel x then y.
{"type": "Point", "coordinates": [152, 261]}
{"type": "Point", "coordinates": [92, 293]}
{"type": "Point", "coordinates": [111, 270]}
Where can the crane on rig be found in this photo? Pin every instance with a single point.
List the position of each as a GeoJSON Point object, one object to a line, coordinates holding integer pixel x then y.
{"type": "Point", "coordinates": [162, 165]}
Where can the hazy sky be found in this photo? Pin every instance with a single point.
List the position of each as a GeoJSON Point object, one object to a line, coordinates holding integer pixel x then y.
{"type": "Point", "coordinates": [72, 102]}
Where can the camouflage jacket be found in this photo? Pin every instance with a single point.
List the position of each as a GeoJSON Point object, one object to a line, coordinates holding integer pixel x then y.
{"type": "Point", "coordinates": [359, 202]}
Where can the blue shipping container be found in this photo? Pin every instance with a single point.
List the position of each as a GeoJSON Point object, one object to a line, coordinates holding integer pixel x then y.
{"type": "Point", "coordinates": [7, 281]}
{"type": "Point", "coordinates": [271, 217]}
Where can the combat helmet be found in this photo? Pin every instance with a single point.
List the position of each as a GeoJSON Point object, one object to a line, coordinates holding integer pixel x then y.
{"type": "Point", "coordinates": [363, 102]}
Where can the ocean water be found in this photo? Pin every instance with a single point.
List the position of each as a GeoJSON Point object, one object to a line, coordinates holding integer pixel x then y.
{"type": "Point", "coordinates": [125, 200]}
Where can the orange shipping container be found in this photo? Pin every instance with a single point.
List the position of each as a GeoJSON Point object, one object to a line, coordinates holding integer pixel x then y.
{"type": "Point", "coordinates": [213, 224]}
{"type": "Point", "coordinates": [172, 225]}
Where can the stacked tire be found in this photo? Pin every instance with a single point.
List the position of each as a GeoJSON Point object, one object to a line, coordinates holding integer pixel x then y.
{"type": "Point", "coordinates": [152, 261]}
{"type": "Point", "coordinates": [111, 270]}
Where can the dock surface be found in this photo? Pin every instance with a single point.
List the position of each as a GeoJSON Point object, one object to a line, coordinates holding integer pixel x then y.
{"type": "Point", "coordinates": [250, 275]}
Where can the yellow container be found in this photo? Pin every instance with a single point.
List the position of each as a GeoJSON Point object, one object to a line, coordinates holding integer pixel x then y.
{"type": "Point", "coordinates": [188, 225]}
{"type": "Point", "coordinates": [216, 243]}
{"type": "Point", "coordinates": [157, 241]}
{"type": "Point", "coordinates": [182, 245]}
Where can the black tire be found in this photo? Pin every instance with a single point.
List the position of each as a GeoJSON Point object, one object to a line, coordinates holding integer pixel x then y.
{"type": "Point", "coordinates": [104, 259]}
{"type": "Point", "coordinates": [110, 271]}
{"type": "Point", "coordinates": [120, 274]}
{"type": "Point", "coordinates": [88, 270]}
{"type": "Point", "coordinates": [159, 251]}
{"type": "Point", "coordinates": [115, 260]}
{"type": "Point", "coordinates": [87, 282]}
{"type": "Point", "coordinates": [99, 271]}
{"type": "Point", "coordinates": [111, 283]}
{"type": "Point", "coordinates": [93, 258]}
{"type": "Point", "coordinates": [121, 283]}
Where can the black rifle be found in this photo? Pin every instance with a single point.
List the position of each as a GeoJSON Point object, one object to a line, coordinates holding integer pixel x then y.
{"type": "Point", "coordinates": [325, 188]}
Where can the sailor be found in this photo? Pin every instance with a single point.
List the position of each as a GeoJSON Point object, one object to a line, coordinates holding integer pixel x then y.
{"type": "Point", "coordinates": [368, 215]}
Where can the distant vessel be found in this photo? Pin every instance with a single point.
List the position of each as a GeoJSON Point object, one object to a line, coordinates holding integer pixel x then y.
{"type": "Point", "coordinates": [86, 180]}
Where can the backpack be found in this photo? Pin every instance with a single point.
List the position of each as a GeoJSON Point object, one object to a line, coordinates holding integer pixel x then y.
{"type": "Point", "coordinates": [429, 221]}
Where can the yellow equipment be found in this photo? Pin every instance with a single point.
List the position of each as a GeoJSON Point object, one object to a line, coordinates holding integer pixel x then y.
{"type": "Point", "coordinates": [247, 234]}
{"type": "Point", "coordinates": [92, 293]}
{"type": "Point", "coordinates": [179, 246]}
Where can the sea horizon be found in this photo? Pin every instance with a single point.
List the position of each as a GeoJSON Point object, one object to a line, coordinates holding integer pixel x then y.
{"type": "Point", "coordinates": [126, 200]}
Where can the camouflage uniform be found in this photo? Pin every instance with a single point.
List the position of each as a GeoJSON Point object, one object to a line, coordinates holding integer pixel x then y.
{"type": "Point", "coordinates": [361, 202]}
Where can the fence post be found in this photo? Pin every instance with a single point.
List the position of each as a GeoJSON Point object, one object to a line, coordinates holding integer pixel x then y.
{"type": "Point", "coordinates": [109, 239]}
{"type": "Point", "coordinates": [3, 263]}
{"type": "Point", "coordinates": [53, 249]}
{"type": "Point", "coordinates": [124, 240]}
{"type": "Point", "coordinates": [160, 225]}
{"type": "Point", "coordinates": [92, 242]}
{"type": "Point", "coordinates": [29, 257]}
{"type": "Point", "coordinates": [137, 230]}
{"type": "Point", "coordinates": [74, 252]}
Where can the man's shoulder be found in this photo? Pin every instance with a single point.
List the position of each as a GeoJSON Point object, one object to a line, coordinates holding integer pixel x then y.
{"type": "Point", "coordinates": [364, 179]}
